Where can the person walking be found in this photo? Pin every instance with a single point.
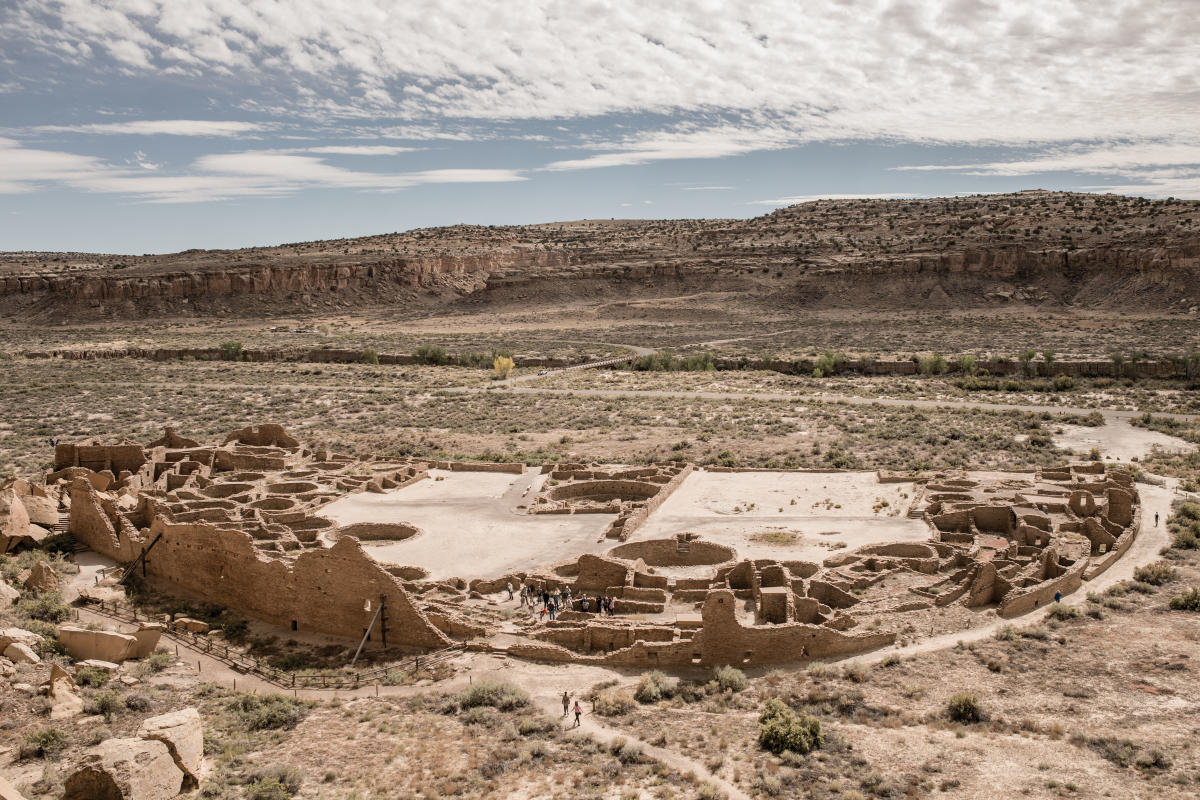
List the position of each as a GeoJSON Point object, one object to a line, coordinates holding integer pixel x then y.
{"type": "Point", "coordinates": [509, 587]}
{"type": "Point", "coordinates": [578, 714]}
{"type": "Point", "coordinates": [566, 704]}
{"type": "Point", "coordinates": [1156, 519]}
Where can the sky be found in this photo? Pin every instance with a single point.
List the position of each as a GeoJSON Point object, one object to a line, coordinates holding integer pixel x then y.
{"type": "Point", "coordinates": [147, 126]}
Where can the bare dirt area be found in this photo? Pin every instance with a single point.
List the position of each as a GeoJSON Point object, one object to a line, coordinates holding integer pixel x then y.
{"type": "Point", "coordinates": [788, 515]}
{"type": "Point", "coordinates": [471, 525]}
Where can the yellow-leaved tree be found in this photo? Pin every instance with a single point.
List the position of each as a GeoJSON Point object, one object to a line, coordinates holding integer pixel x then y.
{"type": "Point", "coordinates": [503, 367]}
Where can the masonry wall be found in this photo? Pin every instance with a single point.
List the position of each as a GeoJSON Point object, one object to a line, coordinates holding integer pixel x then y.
{"type": "Point", "coordinates": [322, 590]}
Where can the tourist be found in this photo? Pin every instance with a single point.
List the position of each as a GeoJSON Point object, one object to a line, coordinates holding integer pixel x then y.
{"type": "Point", "coordinates": [612, 607]}
{"type": "Point", "coordinates": [509, 587]}
{"type": "Point", "coordinates": [578, 713]}
{"type": "Point", "coordinates": [1156, 519]}
{"type": "Point", "coordinates": [566, 704]}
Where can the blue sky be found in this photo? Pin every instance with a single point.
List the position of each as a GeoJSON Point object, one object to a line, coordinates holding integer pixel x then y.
{"type": "Point", "coordinates": [156, 125]}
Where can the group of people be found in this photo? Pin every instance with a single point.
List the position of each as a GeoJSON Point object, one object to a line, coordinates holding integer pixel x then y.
{"type": "Point", "coordinates": [546, 602]}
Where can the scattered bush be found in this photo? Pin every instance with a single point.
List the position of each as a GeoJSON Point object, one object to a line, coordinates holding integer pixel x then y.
{"type": "Point", "coordinates": [1188, 601]}
{"type": "Point", "coordinates": [431, 354]}
{"type": "Point", "coordinates": [612, 703]}
{"type": "Point", "coordinates": [274, 783]}
{"type": "Point", "coordinates": [43, 743]}
{"type": "Point", "coordinates": [655, 686]}
{"type": "Point", "coordinates": [48, 607]}
{"type": "Point", "coordinates": [107, 703]}
{"type": "Point", "coordinates": [231, 351]}
{"type": "Point", "coordinates": [729, 679]}
{"type": "Point", "coordinates": [156, 662]}
{"type": "Point", "coordinates": [1155, 574]}
{"type": "Point", "coordinates": [268, 711]}
{"type": "Point", "coordinates": [830, 363]}
{"type": "Point", "coordinates": [781, 728]}
{"type": "Point", "coordinates": [964, 708]}
{"type": "Point", "coordinates": [501, 696]}
{"type": "Point", "coordinates": [1062, 612]}
{"type": "Point", "coordinates": [369, 356]}
{"type": "Point", "coordinates": [92, 676]}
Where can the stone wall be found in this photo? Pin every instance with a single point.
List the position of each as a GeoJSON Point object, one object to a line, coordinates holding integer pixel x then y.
{"type": "Point", "coordinates": [334, 591]}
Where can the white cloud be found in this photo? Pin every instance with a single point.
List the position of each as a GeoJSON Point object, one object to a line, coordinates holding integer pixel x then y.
{"type": "Point", "coordinates": [212, 177]}
{"type": "Point", "coordinates": [714, 142]}
{"type": "Point", "coordinates": [939, 70]}
{"type": "Point", "coordinates": [155, 127]}
{"type": "Point", "coordinates": [360, 150]}
{"type": "Point", "coordinates": [1106, 159]}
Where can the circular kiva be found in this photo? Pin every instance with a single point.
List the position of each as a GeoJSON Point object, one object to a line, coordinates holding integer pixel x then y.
{"type": "Point", "coordinates": [379, 531]}
{"type": "Point", "coordinates": [667, 553]}
{"type": "Point", "coordinates": [603, 491]}
{"type": "Point", "coordinates": [294, 487]}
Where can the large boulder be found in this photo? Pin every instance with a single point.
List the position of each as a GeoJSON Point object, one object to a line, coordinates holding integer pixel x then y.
{"type": "Point", "coordinates": [183, 735]}
{"type": "Point", "coordinates": [83, 644]}
{"type": "Point", "coordinates": [65, 701]}
{"type": "Point", "coordinates": [20, 653]}
{"type": "Point", "coordinates": [147, 637]}
{"type": "Point", "coordinates": [9, 792]}
{"type": "Point", "coordinates": [10, 635]}
{"type": "Point", "coordinates": [8, 595]}
{"type": "Point", "coordinates": [42, 579]}
{"type": "Point", "coordinates": [14, 519]}
{"type": "Point", "coordinates": [125, 769]}
{"type": "Point", "coordinates": [41, 510]}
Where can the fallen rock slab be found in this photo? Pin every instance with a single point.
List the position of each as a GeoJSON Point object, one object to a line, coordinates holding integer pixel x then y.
{"type": "Point", "coordinates": [65, 701]}
{"type": "Point", "coordinates": [10, 635]}
{"type": "Point", "coordinates": [125, 769]}
{"type": "Point", "coordinates": [9, 792]}
{"type": "Point", "coordinates": [95, 663]}
{"type": "Point", "coordinates": [83, 644]}
{"type": "Point", "coordinates": [147, 638]}
{"type": "Point", "coordinates": [21, 653]}
{"type": "Point", "coordinates": [8, 595]}
{"type": "Point", "coordinates": [183, 735]}
{"type": "Point", "coordinates": [42, 579]}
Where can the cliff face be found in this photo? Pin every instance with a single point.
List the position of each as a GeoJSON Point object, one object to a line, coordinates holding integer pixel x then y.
{"type": "Point", "coordinates": [1044, 248]}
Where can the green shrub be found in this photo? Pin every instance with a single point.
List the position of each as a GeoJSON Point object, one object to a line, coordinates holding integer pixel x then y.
{"type": "Point", "coordinates": [107, 703]}
{"type": "Point", "coordinates": [729, 679]}
{"type": "Point", "coordinates": [964, 708]}
{"type": "Point", "coordinates": [782, 729]}
{"type": "Point", "coordinates": [43, 743]}
{"type": "Point", "coordinates": [231, 351]}
{"type": "Point", "coordinates": [431, 354]}
{"type": "Point", "coordinates": [268, 711]}
{"type": "Point", "coordinates": [612, 703]}
{"type": "Point", "coordinates": [1188, 601]}
{"type": "Point", "coordinates": [931, 365]}
{"type": "Point", "coordinates": [830, 363]}
{"type": "Point", "coordinates": [1155, 574]}
{"type": "Point", "coordinates": [655, 686]}
{"type": "Point", "coordinates": [369, 356]}
{"type": "Point", "coordinates": [48, 607]}
{"type": "Point", "coordinates": [92, 676]}
{"type": "Point", "coordinates": [156, 662]}
{"type": "Point", "coordinates": [502, 696]}
{"type": "Point", "coordinates": [1062, 612]}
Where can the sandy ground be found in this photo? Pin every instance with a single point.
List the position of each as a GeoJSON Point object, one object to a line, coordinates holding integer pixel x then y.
{"type": "Point", "coordinates": [471, 525]}
{"type": "Point", "coordinates": [830, 507]}
{"type": "Point", "coordinates": [1120, 440]}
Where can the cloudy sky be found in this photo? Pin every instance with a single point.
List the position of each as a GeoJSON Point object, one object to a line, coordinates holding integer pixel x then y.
{"type": "Point", "coordinates": [157, 125]}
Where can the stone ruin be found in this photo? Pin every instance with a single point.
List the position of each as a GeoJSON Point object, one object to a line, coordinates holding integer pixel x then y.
{"type": "Point", "coordinates": [238, 524]}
